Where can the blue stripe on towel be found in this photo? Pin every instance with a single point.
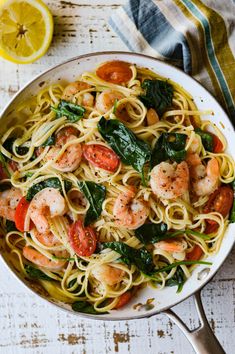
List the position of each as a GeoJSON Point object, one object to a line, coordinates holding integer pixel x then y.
{"type": "Point", "coordinates": [158, 32]}
{"type": "Point", "coordinates": [212, 56]}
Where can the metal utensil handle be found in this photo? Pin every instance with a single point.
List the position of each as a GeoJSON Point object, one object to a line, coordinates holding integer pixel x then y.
{"type": "Point", "coordinates": [202, 338]}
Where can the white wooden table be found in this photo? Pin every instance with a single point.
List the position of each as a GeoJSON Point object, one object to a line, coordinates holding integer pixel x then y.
{"type": "Point", "coordinates": [30, 325]}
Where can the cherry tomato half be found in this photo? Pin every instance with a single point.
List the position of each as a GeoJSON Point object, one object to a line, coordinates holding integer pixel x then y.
{"type": "Point", "coordinates": [221, 201]}
{"type": "Point", "coordinates": [195, 254]}
{"type": "Point", "coordinates": [115, 71]}
{"type": "Point", "coordinates": [13, 165]}
{"type": "Point", "coordinates": [3, 173]}
{"type": "Point", "coordinates": [123, 299]}
{"type": "Point", "coordinates": [101, 156]}
{"type": "Point", "coordinates": [217, 144]}
{"type": "Point", "coordinates": [211, 227]}
{"type": "Point", "coordinates": [20, 214]}
{"type": "Point", "coordinates": [82, 239]}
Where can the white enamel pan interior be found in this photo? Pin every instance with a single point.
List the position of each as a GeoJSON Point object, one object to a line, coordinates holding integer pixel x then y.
{"type": "Point", "coordinates": [69, 71]}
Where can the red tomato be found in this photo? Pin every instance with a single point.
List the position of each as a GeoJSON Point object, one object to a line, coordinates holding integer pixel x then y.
{"type": "Point", "coordinates": [13, 165]}
{"type": "Point", "coordinates": [82, 239]}
{"type": "Point", "coordinates": [211, 227]}
{"type": "Point", "coordinates": [101, 156]}
{"type": "Point", "coordinates": [3, 173]}
{"type": "Point", "coordinates": [217, 144]}
{"type": "Point", "coordinates": [195, 254]}
{"type": "Point", "coordinates": [115, 71]}
{"type": "Point", "coordinates": [221, 201]}
{"type": "Point", "coordinates": [124, 299]}
{"type": "Point", "coordinates": [20, 214]}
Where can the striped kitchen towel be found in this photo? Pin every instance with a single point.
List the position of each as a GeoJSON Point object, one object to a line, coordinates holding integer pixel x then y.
{"type": "Point", "coordinates": [197, 36]}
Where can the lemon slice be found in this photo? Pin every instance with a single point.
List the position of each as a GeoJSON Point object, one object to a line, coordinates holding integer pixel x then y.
{"type": "Point", "coordinates": [26, 29]}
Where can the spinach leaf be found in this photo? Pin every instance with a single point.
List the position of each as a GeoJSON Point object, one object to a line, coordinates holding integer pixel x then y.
{"type": "Point", "coordinates": [77, 288]}
{"type": "Point", "coordinates": [72, 283]}
{"type": "Point", "coordinates": [177, 279]}
{"type": "Point", "coordinates": [50, 141]}
{"type": "Point", "coordinates": [151, 233]}
{"type": "Point", "coordinates": [35, 273]}
{"type": "Point", "coordinates": [34, 156]}
{"type": "Point", "coordinates": [4, 186]}
{"type": "Point", "coordinates": [95, 194]}
{"type": "Point", "coordinates": [72, 111]}
{"type": "Point", "coordinates": [176, 264]}
{"type": "Point", "coordinates": [3, 167]}
{"type": "Point", "coordinates": [141, 258]}
{"type": "Point", "coordinates": [86, 307]}
{"type": "Point", "coordinates": [10, 226]}
{"type": "Point", "coordinates": [158, 95]}
{"type": "Point", "coordinates": [115, 106]}
{"type": "Point", "coordinates": [207, 139]}
{"type": "Point", "coordinates": [52, 182]}
{"type": "Point", "coordinates": [132, 150]}
{"type": "Point", "coordinates": [187, 232]}
{"type": "Point", "coordinates": [8, 145]}
{"type": "Point", "coordinates": [169, 146]}
{"type": "Point", "coordinates": [28, 174]}
{"type": "Point", "coordinates": [22, 150]}
{"type": "Point", "coordinates": [64, 258]}
{"type": "Point", "coordinates": [232, 212]}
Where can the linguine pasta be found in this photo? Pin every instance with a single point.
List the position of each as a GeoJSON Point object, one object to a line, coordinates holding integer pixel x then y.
{"type": "Point", "coordinates": [80, 277]}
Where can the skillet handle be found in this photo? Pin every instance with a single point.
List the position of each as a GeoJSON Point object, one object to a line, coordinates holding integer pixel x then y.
{"type": "Point", "coordinates": [202, 338]}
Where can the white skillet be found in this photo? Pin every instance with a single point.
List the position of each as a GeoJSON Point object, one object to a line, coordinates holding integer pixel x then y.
{"type": "Point", "coordinates": [202, 339]}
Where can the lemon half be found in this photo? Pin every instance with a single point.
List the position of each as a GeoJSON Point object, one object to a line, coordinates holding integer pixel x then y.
{"type": "Point", "coordinates": [26, 29]}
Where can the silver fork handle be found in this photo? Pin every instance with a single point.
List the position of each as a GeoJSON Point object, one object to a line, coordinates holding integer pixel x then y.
{"type": "Point", "coordinates": [202, 338]}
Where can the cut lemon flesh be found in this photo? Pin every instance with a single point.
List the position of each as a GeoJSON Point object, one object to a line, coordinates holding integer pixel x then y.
{"type": "Point", "coordinates": [26, 29]}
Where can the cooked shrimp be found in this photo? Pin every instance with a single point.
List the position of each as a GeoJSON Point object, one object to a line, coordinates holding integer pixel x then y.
{"type": "Point", "coordinates": [195, 144]}
{"type": "Point", "coordinates": [107, 274]}
{"type": "Point", "coordinates": [88, 99]}
{"type": "Point", "coordinates": [152, 116]}
{"type": "Point", "coordinates": [169, 181]}
{"type": "Point", "coordinates": [205, 180]}
{"type": "Point", "coordinates": [46, 238]}
{"type": "Point", "coordinates": [8, 203]}
{"type": "Point", "coordinates": [73, 88]}
{"type": "Point", "coordinates": [171, 246]}
{"type": "Point", "coordinates": [71, 158]}
{"type": "Point", "coordinates": [128, 211]}
{"type": "Point", "coordinates": [175, 247]}
{"type": "Point", "coordinates": [193, 161]}
{"type": "Point", "coordinates": [39, 259]}
{"type": "Point", "coordinates": [46, 204]}
{"type": "Point", "coordinates": [106, 100]}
